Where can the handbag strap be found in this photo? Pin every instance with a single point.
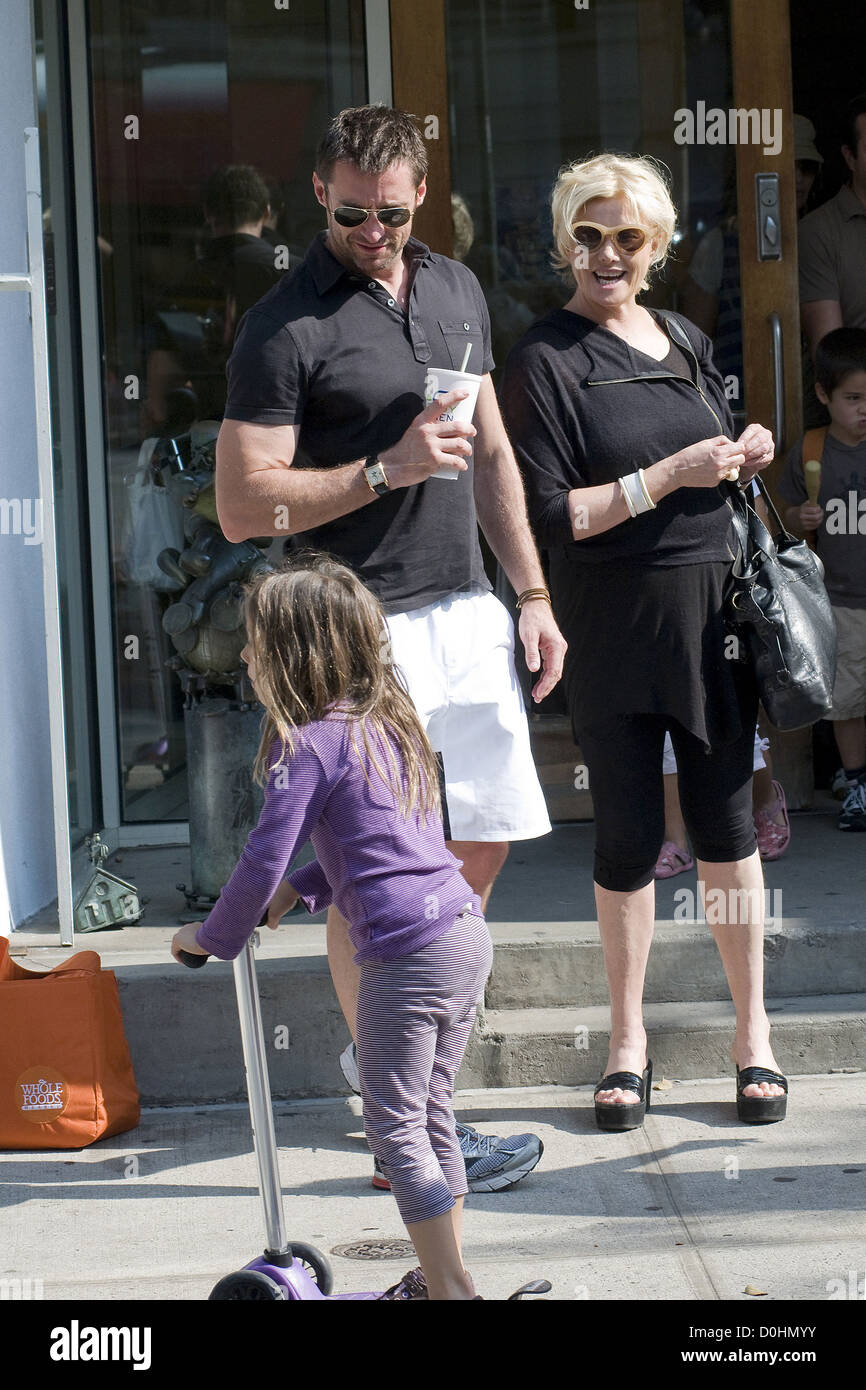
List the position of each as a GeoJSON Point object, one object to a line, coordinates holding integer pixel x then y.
{"type": "Point", "coordinates": [751, 533]}
{"type": "Point", "coordinates": [771, 508]}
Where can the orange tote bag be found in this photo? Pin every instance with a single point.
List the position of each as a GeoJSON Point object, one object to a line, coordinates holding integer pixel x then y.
{"type": "Point", "coordinates": [65, 1072]}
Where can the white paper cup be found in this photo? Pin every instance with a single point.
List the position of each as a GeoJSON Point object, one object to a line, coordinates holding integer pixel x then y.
{"type": "Point", "coordinates": [441, 380]}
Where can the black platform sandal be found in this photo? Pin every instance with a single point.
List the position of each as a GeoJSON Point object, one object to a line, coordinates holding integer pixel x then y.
{"type": "Point", "coordinates": [760, 1110]}
{"type": "Point", "coordinates": [613, 1116]}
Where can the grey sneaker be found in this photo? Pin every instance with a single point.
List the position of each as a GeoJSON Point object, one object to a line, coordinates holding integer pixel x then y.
{"type": "Point", "coordinates": [493, 1163]}
{"type": "Point", "coordinates": [841, 784]}
{"type": "Point", "coordinates": [853, 813]}
{"type": "Point", "coordinates": [349, 1067]}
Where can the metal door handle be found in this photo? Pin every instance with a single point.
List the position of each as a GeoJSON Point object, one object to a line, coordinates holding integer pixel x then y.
{"type": "Point", "coordinates": [778, 381]}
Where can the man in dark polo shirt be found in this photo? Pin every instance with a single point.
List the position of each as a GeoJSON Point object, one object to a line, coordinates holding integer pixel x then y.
{"type": "Point", "coordinates": [326, 438]}
{"type": "Point", "coordinates": [832, 244]}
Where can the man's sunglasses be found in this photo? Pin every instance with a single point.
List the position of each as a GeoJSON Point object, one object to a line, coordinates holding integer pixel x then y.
{"type": "Point", "coordinates": [628, 239]}
{"type": "Point", "coordinates": [356, 217]}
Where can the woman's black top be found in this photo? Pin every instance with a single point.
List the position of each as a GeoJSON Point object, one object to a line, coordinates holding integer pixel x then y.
{"type": "Point", "coordinates": [640, 605]}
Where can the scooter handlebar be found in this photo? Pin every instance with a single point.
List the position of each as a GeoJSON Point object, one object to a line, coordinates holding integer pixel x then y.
{"type": "Point", "coordinates": [195, 962]}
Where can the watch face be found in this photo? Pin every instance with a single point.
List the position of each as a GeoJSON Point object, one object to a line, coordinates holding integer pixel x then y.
{"type": "Point", "coordinates": [376, 474]}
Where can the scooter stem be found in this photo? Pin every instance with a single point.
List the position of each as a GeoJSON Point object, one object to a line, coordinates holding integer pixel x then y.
{"type": "Point", "coordinates": [261, 1115]}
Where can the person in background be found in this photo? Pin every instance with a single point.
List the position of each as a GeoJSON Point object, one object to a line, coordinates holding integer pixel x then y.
{"type": "Point", "coordinates": [193, 340]}
{"type": "Point", "coordinates": [772, 825]}
{"type": "Point", "coordinates": [832, 244]}
{"type": "Point", "coordinates": [836, 518]}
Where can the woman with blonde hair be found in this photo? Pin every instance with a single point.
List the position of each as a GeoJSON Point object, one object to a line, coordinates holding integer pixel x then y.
{"type": "Point", "coordinates": [623, 434]}
{"type": "Point", "coordinates": [346, 763]}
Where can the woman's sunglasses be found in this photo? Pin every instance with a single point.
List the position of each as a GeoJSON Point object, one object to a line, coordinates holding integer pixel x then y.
{"type": "Point", "coordinates": [628, 239]}
{"type": "Point", "coordinates": [356, 217]}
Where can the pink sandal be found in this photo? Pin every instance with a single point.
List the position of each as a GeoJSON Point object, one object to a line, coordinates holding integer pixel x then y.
{"type": "Point", "coordinates": [672, 861]}
{"type": "Point", "coordinates": [773, 839]}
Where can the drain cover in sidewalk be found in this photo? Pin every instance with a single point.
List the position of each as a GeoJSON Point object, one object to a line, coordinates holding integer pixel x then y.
{"type": "Point", "coordinates": [375, 1250]}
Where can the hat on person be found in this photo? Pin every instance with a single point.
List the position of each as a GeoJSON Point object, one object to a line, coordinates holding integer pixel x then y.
{"type": "Point", "coordinates": [804, 141]}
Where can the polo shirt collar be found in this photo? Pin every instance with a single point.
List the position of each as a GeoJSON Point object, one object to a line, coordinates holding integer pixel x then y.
{"type": "Point", "coordinates": [849, 204]}
{"type": "Point", "coordinates": [326, 270]}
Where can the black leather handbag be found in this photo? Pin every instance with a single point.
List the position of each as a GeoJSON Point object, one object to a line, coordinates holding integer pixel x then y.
{"type": "Point", "coordinates": [778, 607]}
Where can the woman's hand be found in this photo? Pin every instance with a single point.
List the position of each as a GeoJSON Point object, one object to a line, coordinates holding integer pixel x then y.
{"type": "Point", "coordinates": [759, 448]}
{"type": "Point", "coordinates": [706, 463]}
{"type": "Point", "coordinates": [282, 902]}
{"type": "Point", "coordinates": [184, 940]}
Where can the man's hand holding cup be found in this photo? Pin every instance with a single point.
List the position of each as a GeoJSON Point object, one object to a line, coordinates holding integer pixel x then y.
{"type": "Point", "coordinates": [431, 443]}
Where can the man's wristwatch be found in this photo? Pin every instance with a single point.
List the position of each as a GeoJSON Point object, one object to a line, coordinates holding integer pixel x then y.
{"type": "Point", "coordinates": [376, 476]}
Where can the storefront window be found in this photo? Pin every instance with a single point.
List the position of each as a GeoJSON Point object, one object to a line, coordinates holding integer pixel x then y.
{"type": "Point", "coordinates": [206, 103]}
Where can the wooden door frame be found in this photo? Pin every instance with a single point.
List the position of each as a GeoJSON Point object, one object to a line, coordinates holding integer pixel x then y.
{"type": "Point", "coordinates": [761, 66]}
{"type": "Point", "coordinates": [420, 84]}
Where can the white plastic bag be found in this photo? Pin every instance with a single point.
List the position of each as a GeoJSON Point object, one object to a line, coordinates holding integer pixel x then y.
{"type": "Point", "coordinates": [153, 522]}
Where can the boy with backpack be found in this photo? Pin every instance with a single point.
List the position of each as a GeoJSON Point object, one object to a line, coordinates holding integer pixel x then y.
{"type": "Point", "coordinates": [835, 510]}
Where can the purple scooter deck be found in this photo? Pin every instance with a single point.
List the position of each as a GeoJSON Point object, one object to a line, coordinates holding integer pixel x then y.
{"type": "Point", "coordinates": [298, 1284]}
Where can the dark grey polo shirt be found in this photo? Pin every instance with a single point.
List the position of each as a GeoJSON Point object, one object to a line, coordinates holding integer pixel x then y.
{"type": "Point", "coordinates": [832, 256]}
{"type": "Point", "coordinates": [333, 352]}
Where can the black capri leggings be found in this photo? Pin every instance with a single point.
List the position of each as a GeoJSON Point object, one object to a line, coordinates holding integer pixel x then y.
{"type": "Point", "coordinates": [623, 756]}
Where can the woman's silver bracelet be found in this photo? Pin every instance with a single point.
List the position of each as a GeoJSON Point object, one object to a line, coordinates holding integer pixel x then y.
{"type": "Point", "coordinates": [636, 494]}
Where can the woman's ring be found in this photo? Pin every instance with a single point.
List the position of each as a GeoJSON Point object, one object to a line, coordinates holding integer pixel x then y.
{"type": "Point", "coordinates": [733, 474]}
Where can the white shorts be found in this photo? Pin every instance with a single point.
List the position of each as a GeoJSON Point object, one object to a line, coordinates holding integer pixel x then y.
{"type": "Point", "coordinates": [669, 762]}
{"type": "Point", "coordinates": [457, 658]}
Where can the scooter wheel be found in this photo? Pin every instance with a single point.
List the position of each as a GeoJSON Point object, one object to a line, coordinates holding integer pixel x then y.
{"type": "Point", "coordinates": [316, 1265]}
{"type": "Point", "coordinates": [248, 1286]}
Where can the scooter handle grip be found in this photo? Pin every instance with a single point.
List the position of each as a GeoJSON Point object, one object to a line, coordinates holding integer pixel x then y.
{"type": "Point", "coordinates": [192, 960]}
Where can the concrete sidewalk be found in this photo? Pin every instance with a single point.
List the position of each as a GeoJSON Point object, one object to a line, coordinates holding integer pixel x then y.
{"type": "Point", "coordinates": [693, 1206]}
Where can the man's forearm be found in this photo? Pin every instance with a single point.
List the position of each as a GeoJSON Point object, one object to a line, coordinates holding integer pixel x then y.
{"type": "Point", "coordinates": [500, 502]}
{"type": "Point", "coordinates": [284, 501]}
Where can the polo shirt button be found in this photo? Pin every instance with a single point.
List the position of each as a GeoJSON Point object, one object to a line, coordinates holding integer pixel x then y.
{"type": "Point", "coordinates": [466, 326]}
{"type": "Point", "coordinates": [371, 285]}
{"type": "Point", "coordinates": [391, 303]}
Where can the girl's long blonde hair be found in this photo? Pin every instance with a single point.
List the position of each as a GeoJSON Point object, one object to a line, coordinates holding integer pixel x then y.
{"type": "Point", "coordinates": [318, 639]}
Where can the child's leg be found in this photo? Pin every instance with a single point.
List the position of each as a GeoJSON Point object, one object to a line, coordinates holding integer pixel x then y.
{"type": "Point", "coordinates": [437, 1247]}
{"type": "Point", "coordinates": [675, 826]}
{"type": "Point", "coordinates": [396, 1039]}
{"type": "Point", "coordinates": [414, 1020]}
{"type": "Point", "coordinates": [850, 735]}
{"type": "Point", "coordinates": [466, 954]}
{"type": "Point", "coordinates": [849, 689]}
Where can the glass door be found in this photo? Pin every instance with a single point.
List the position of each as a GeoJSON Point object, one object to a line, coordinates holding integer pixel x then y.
{"type": "Point", "coordinates": [205, 120]}
{"type": "Point", "coordinates": [531, 88]}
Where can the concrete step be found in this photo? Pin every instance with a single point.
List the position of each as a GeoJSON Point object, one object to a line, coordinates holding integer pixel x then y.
{"type": "Point", "coordinates": [185, 1044]}
{"type": "Point", "coordinates": [546, 983]}
{"type": "Point", "coordinates": [563, 966]}
{"type": "Point", "coordinates": [529, 1047]}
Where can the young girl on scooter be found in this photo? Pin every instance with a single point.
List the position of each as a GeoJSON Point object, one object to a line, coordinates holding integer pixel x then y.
{"type": "Point", "coordinates": [346, 764]}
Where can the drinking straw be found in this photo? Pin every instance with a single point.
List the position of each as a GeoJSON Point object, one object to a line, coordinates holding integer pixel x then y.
{"type": "Point", "coordinates": [465, 357]}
